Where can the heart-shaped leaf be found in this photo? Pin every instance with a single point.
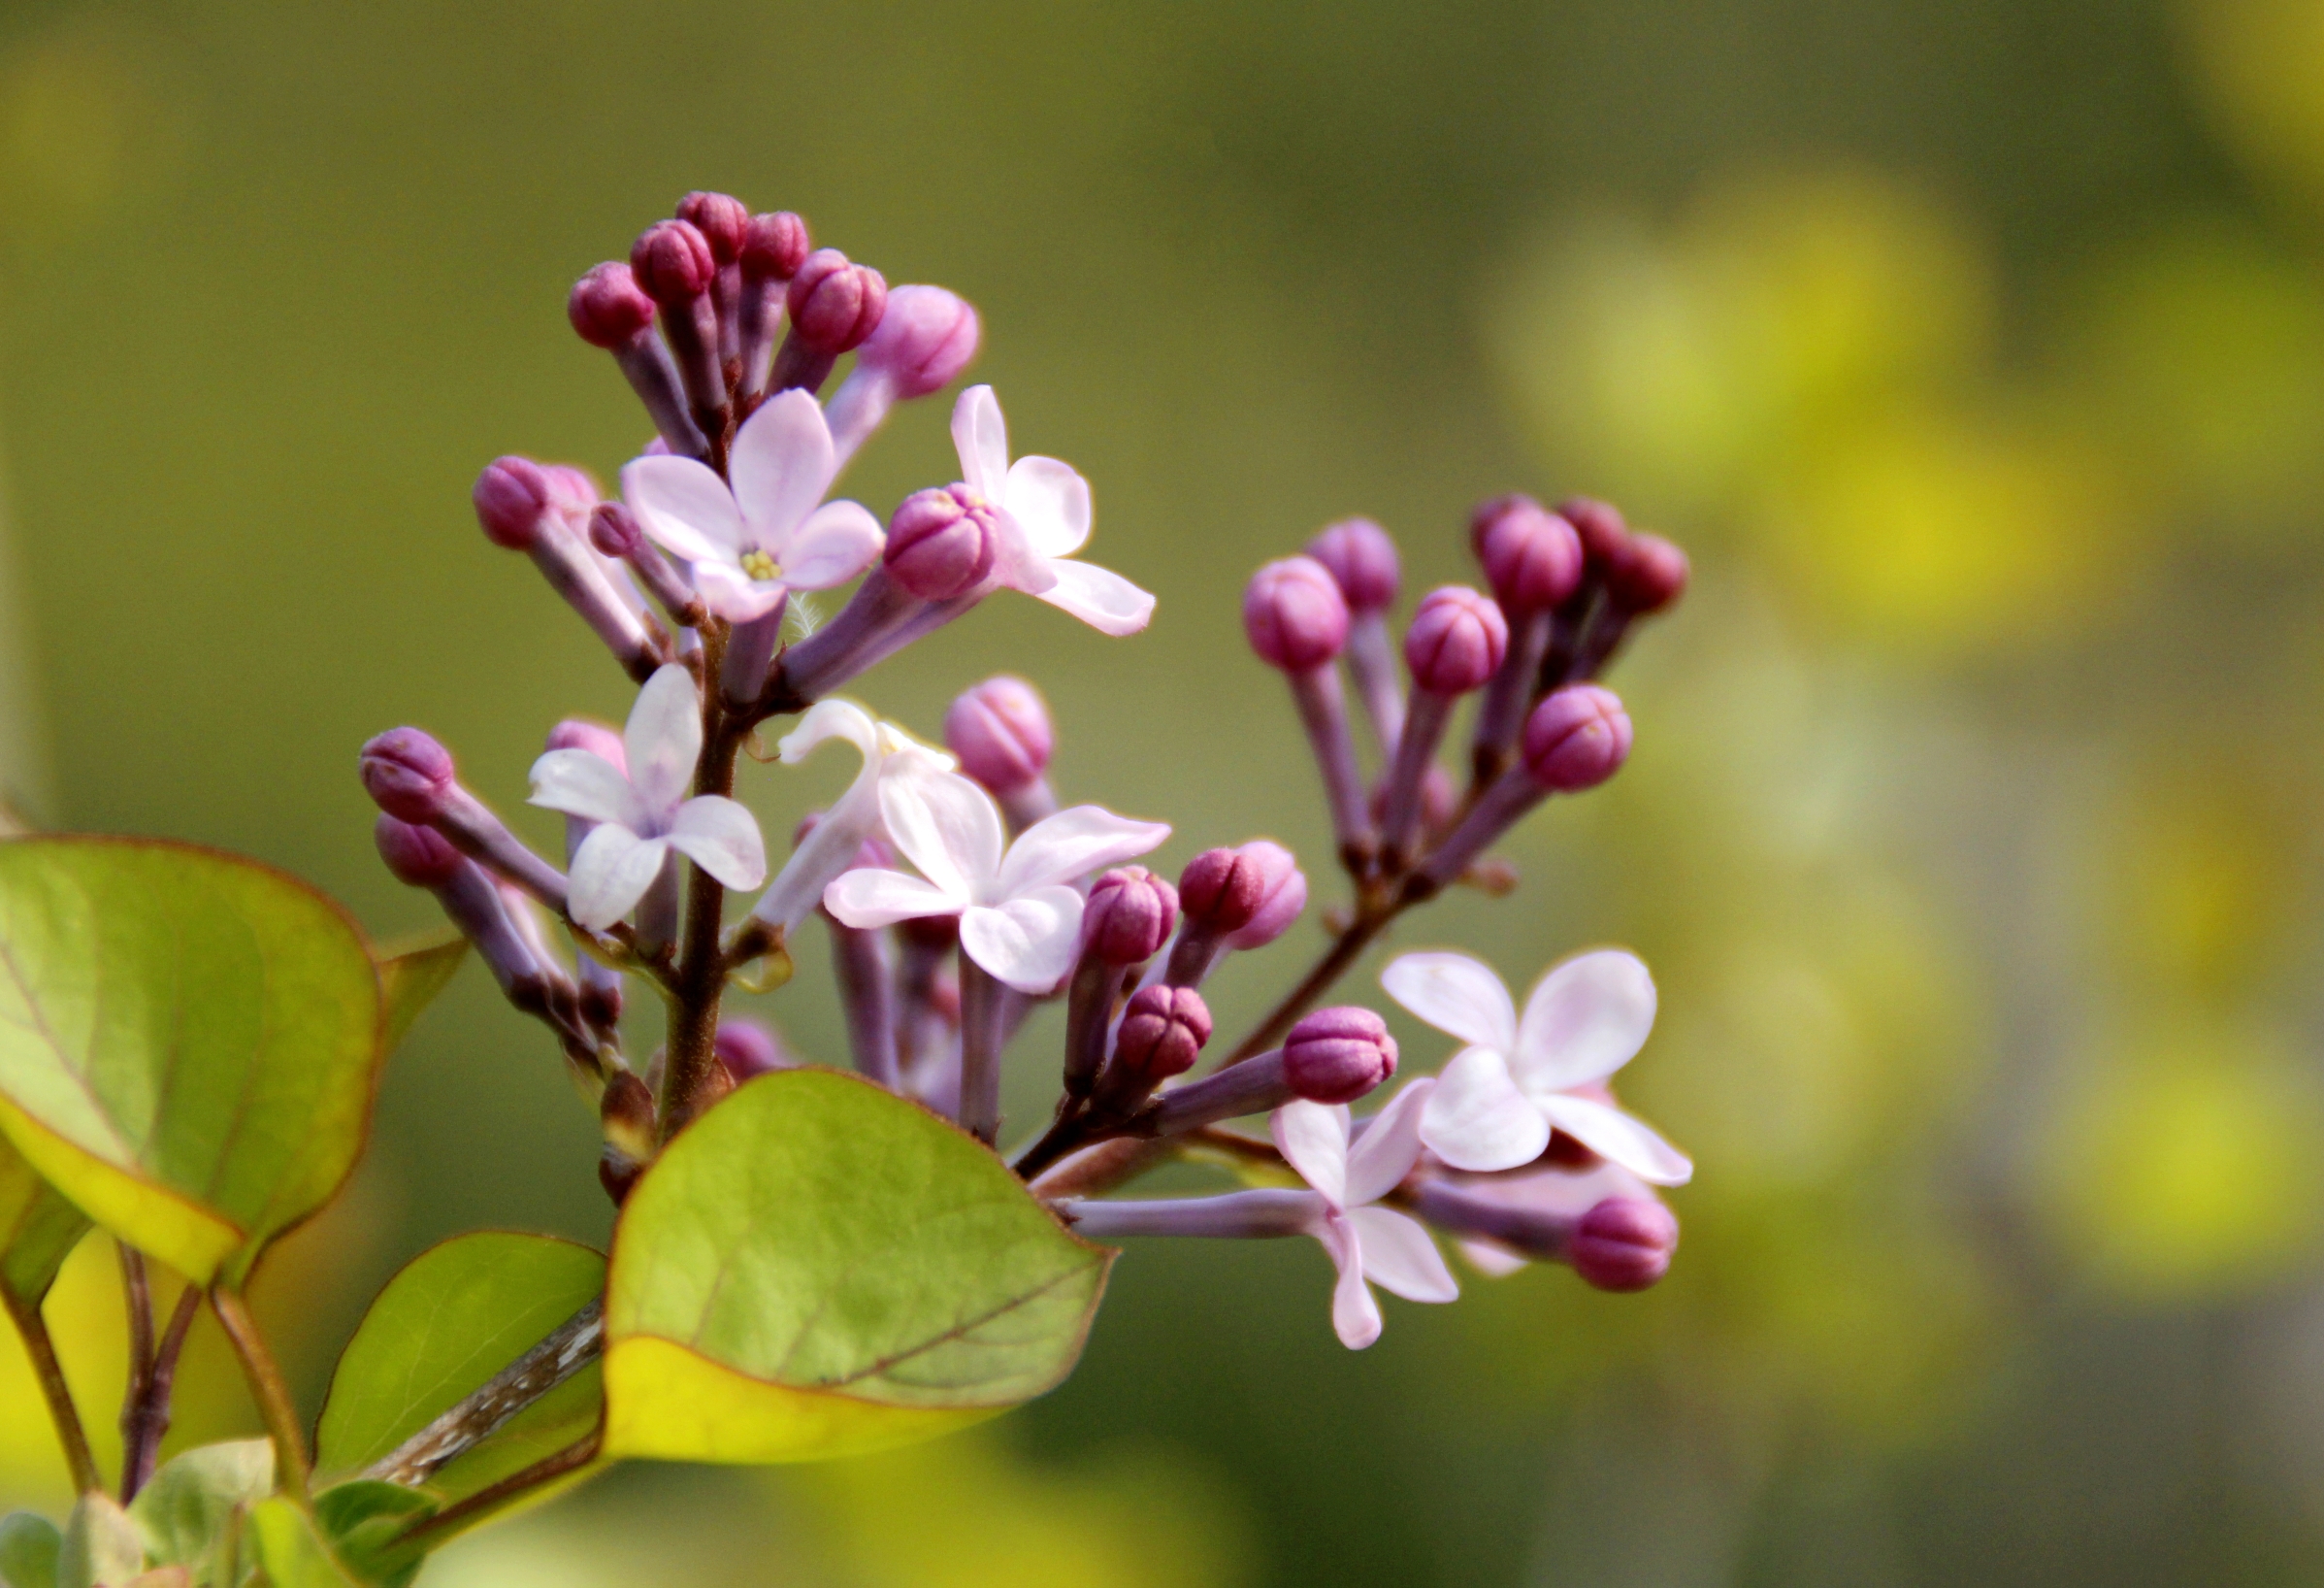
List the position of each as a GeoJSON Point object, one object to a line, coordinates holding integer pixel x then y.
{"type": "Point", "coordinates": [363, 1520]}
{"type": "Point", "coordinates": [817, 1267]}
{"type": "Point", "coordinates": [290, 1553]}
{"type": "Point", "coordinates": [454, 1317]}
{"type": "Point", "coordinates": [38, 1230]}
{"type": "Point", "coordinates": [188, 1043]}
{"type": "Point", "coordinates": [409, 980]}
{"type": "Point", "coordinates": [101, 1545]}
{"type": "Point", "coordinates": [29, 1545]}
{"type": "Point", "coordinates": [182, 1513]}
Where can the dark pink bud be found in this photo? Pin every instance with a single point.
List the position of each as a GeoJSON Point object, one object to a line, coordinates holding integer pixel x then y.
{"type": "Point", "coordinates": [1605, 538]}
{"type": "Point", "coordinates": [1222, 889]}
{"type": "Point", "coordinates": [511, 496]}
{"type": "Point", "coordinates": [672, 262]}
{"type": "Point", "coordinates": [748, 1049]}
{"type": "Point", "coordinates": [1162, 1035]}
{"type": "Point", "coordinates": [1650, 576]}
{"type": "Point", "coordinates": [1338, 1055]}
{"type": "Point", "coordinates": [607, 308]}
{"type": "Point", "coordinates": [1457, 640]}
{"type": "Point", "coordinates": [1624, 1244]}
{"type": "Point", "coordinates": [419, 856]}
{"type": "Point", "coordinates": [1362, 559]}
{"type": "Point", "coordinates": [720, 220]}
{"type": "Point", "coordinates": [1001, 732]}
{"type": "Point", "coordinates": [927, 337]}
{"type": "Point", "coordinates": [941, 542]}
{"type": "Point", "coordinates": [614, 530]}
{"type": "Point", "coordinates": [1532, 557]}
{"type": "Point", "coordinates": [1294, 615]}
{"type": "Point", "coordinates": [1283, 895]}
{"type": "Point", "coordinates": [1131, 914]}
{"type": "Point", "coordinates": [580, 733]}
{"type": "Point", "coordinates": [1575, 738]}
{"type": "Point", "coordinates": [409, 774]}
{"type": "Point", "coordinates": [774, 245]}
{"type": "Point", "coordinates": [836, 305]}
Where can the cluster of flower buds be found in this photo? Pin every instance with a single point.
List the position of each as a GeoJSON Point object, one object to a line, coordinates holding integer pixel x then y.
{"type": "Point", "coordinates": [957, 892]}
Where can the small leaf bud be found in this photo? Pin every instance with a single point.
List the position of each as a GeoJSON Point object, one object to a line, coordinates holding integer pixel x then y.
{"type": "Point", "coordinates": [511, 496]}
{"type": "Point", "coordinates": [1457, 640]}
{"type": "Point", "coordinates": [608, 307]}
{"type": "Point", "coordinates": [941, 542]}
{"type": "Point", "coordinates": [1131, 914]}
{"type": "Point", "coordinates": [1338, 1055]}
{"type": "Point", "coordinates": [1624, 1244]}
{"type": "Point", "coordinates": [1532, 557]}
{"type": "Point", "coordinates": [409, 774]}
{"type": "Point", "coordinates": [1363, 560]}
{"type": "Point", "coordinates": [672, 263]}
{"type": "Point", "coordinates": [1000, 731]}
{"type": "Point", "coordinates": [1575, 738]}
{"type": "Point", "coordinates": [419, 856]}
{"type": "Point", "coordinates": [1294, 615]}
{"type": "Point", "coordinates": [1162, 1035]}
{"type": "Point", "coordinates": [774, 245]}
{"type": "Point", "coordinates": [1221, 890]}
{"type": "Point", "coordinates": [927, 337]}
{"type": "Point", "coordinates": [626, 1112]}
{"type": "Point", "coordinates": [748, 1049]}
{"type": "Point", "coordinates": [720, 220]}
{"type": "Point", "coordinates": [836, 305]}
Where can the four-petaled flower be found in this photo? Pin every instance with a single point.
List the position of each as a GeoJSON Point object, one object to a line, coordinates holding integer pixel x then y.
{"type": "Point", "coordinates": [1043, 507]}
{"type": "Point", "coordinates": [643, 814]}
{"type": "Point", "coordinates": [1019, 919]}
{"type": "Point", "coordinates": [772, 532]}
{"type": "Point", "coordinates": [831, 847]}
{"type": "Point", "coordinates": [1367, 1244]}
{"type": "Point", "coordinates": [1498, 1099]}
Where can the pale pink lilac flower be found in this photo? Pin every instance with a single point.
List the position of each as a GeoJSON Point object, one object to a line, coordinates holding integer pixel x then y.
{"type": "Point", "coordinates": [1498, 1099]}
{"type": "Point", "coordinates": [1020, 919]}
{"type": "Point", "coordinates": [771, 533]}
{"type": "Point", "coordinates": [642, 812]}
{"type": "Point", "coordinates": [830, 850]}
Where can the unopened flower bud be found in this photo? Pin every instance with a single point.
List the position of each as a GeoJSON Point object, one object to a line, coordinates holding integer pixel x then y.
{"type": "Point", "coordinates": [1283, 895]}
{"type": "Point", "coordinates": [836, 305]}
{"type": "Point", "coordinates": [420, 857]}
{"type": "Point", "coordinates": [614, 530]}
{"type": "Point", "coordinates": [608, 307]}
{"type": "Point", "coordinates": [720, 220]}
{"type": "Point", "coordinates": [1457, 640]}
{"type": "Point", "coordinates": [511, 496]}
{"type": "Point", "coordinates": [1575, 738]}
{"type": "Point", "coordinates": [1222, 889]}
{"type": "Point", "coordinates": [580, 733]}
{"type": "Point", "coordinates": [927, 337]}
{"type": "Point", "coordinates": [1624, 1244]}
{"type": "Point", "coordinates": [1131, 914]}
{"type": "Point", "coordinates": [672, 263]}
{"type": "Point", "coordinates": [774, 245]}
{"type": "Point", "coordinates": [1000, 731]}
{"type": "Point", "coordinates": [748, 1049]}
{"type": "Point", "coordinates": [1649, 577]}
{"type": "Point", "coordinates": [409, 774]}
{"type": "Point", "coordinates": [1338, 1055]}
{"type": "Point", "coordinates": [1604, 536]}
{"type": "Point", "coordinates": [1361, 559]}
{"type": "Point", "coordinates": [941, 542]}
{"type": "Point", "coordinates": [1162, 1035]}
{"type": "Point", "coordinates": [1532, 557]}
{"type": "Point", "coordinates": [1294, 615]}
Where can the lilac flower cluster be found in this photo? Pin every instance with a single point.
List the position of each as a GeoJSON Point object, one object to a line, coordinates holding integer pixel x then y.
{"type": "Point", "coordinates": [957, 893]}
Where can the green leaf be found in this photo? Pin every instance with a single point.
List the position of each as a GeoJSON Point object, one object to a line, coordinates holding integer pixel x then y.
{"type": "Point", "coordinates": [456, 1316]}
{"type": "Point", "coordinates": [409, 980]}
{"type": "Point", "coordinates": [101, 1545]}
{"type": "Point", "coordinates": [29, 1545]}
{"type": "Point", "coordinates": [363, 1519]}
{"type": "Point", "coordinates": [188, 1043]}
{"type": "Point", "coordinates": [290, 1553]}
{"type": "Point", "coordinates": [817, 1267]}
{"type": "Point", "coordinates": [183, 1512]}
{"type": "Point", "coordinates": [38, 1230]}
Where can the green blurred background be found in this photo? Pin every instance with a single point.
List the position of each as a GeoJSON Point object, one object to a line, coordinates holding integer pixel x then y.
{"type": "Point", "coordinates": [1977, 351]}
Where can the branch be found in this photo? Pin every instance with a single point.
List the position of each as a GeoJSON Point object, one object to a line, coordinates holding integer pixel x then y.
{"type": "Point", "coordinates": [33, 1330]}
{"type": "Point", "coordinates": [484, 1411]}
{"type": "Point", "coordinates": [275, 1409]}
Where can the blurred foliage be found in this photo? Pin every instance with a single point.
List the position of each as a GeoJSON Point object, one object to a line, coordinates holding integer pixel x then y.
{"type": "Point", "coordinates": [1978, 354]}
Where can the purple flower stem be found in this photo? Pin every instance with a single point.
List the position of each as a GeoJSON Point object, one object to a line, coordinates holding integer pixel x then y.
{"type": "Point", "coordinates": [1323, 712]}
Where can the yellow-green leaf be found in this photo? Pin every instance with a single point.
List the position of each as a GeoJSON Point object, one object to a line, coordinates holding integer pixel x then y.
{"type": "Point", "coordinates": [188, 1043]}
{"type": "Point", "coordinates": [184, 1513]}
{"type": "Point", "coordinates": [101, 1545]}
{"type": "Point", "coordinates": [454, 1317]}
{"type": "Point", "coordinates": [29, 1545]}
{"type": "Point", "coordinates": [817, 1267]}
{"type": "Point", "coordinates": [38, 1230]}
{"type": "Point", "coordinates": [409, 980]}
{"type": "Point", "coordinates": [281, 1541]}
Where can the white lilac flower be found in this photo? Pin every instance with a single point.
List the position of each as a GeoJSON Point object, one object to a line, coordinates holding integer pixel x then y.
{"type": "Point", "coordinates": [1044, 512]}
{"type": "Point", "coordinates": [1498, 1099]}
{"type": "Point", "coordinates": [772, 532]}
{"type": "Point", "coordinates": [831, 848]}
{"type": "Point", "coordinates": [1018, 919]}
{"type": "Point", "coordinates": [642, 813]}
{"type": "Point", "coordinates": [1370, 1246]}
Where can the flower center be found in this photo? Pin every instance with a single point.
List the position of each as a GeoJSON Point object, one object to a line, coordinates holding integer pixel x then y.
{"type": "Point", "coordinates": [760, 566]}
